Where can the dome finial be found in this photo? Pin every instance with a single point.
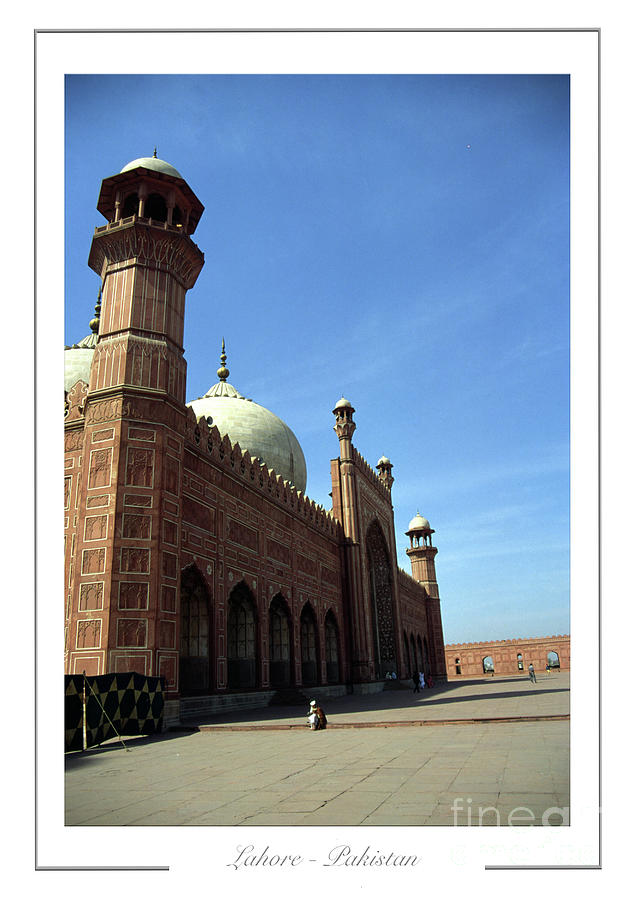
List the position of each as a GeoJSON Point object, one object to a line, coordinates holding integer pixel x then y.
{"type": "Point", "coordinates": [223, 372]}
{"type": "Point", "coordinates": [94, 323]}
{"type": "Point", "coordinates": [154, 155]}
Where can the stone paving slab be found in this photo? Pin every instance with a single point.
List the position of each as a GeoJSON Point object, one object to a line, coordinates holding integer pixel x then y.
{"type": "Point", "coordinates": [462, 774]}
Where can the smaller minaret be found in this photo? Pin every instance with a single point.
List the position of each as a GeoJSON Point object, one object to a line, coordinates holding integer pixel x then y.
{"type": "Point", "coordinates": [384, 468]}
{"type": "Point", "coordinates": [422, 553]}
{"type": "Point", "coordinates": [344, 427]}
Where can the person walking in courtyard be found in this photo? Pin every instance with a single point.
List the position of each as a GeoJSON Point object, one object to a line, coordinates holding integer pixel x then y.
{"type": "Point", "coordinates": [415, 681]}
{"type": "Point", "coordinates": [532, 673]}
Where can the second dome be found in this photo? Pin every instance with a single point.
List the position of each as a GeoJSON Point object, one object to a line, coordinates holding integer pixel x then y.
{"type": "Point", "coordinates": [255, 428]}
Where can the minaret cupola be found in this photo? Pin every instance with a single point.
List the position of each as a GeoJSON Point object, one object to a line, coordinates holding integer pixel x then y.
{"type": "Point", "coordinates": [419, 532]}
{"type": "Point", "coordinates": [150, 188]}
{"type": "Point", "coordinates": [384, 469]}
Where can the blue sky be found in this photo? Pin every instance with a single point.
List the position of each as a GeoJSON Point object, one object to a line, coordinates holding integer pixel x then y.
{"type": "Point", "coordinates": [399, 240]}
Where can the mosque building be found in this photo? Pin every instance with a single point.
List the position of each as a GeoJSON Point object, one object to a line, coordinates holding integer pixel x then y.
{"type": "Point", "coordinates": [191, 549]}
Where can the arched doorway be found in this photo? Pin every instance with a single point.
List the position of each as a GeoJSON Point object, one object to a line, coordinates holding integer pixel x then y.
{"type": "Point", "coordinates": [331, 635]}
{"type": "Point", "coordinates": [195, 639]}
{"type": "Point", "coordinates": [426, 658]}
{"type": "Point", "coordinates": [553, 660]}
{"type": "Point", "coordinates": [488, 665]}
{"type": "Point", "coordinates": [380, 577]}
{"type": "Point", "coordinates": [519, 661]}
{"type": "Point", "coordinates": [309, 646]}
{"type": "Point", "coordinates": [406, 655]}
{"type": "Point", "coordinates": [279, 643]}
{"type": "Point", "coordinates": [241, 639]}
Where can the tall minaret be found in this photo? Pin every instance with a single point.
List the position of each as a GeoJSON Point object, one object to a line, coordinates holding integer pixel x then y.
{"type": "Point", "coordinates": [422, 554]}
{"type": "Point", "coordinates": [125, 449]}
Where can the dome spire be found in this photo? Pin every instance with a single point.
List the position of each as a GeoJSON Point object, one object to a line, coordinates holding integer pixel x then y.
{"type": "Point", "coordinates": [154, 155]}
{"type": "Point", "coordinates": [223, 372]}
{"type": "Point", "coordinates": [94, 323]}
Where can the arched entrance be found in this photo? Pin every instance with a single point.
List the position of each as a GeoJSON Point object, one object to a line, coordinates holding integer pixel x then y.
{"type": "Point", "coordinates": [279, 643]}
{"type": "Point", "coordinates": [194, 666]}
{"type": "Point", "coordinates": [488, 665]}
{"type": "Point", "coordinates": [406, 656]}
{"type": "Point", "coordinates": [380, 577]}
{"type": "Point", "coordinates": [241, 639]}
{"type": "Point", "coordinates": [309, 646]}
{"type": "Point", "coordinates": [426, 658]}
{"type": "Point", "coordinates": [553, 660]}
{"type": "Point", "coordinates": [331, 634]}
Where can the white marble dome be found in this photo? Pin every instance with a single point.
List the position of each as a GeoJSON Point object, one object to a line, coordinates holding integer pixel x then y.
{"type": "Point", "coordinates": [154, 164]}
{"type": "Point", "coordinates": [77, 360]}
{"type": "Point", "coordinates": [256, 429]}
{"type": "Point", "coordinates": [419, 524]}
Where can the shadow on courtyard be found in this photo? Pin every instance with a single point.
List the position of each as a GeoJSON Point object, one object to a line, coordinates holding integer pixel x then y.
{"type": "Point", "coordinates": [79, 758]}
{"type": "Point", "coordinates": [392, 701]}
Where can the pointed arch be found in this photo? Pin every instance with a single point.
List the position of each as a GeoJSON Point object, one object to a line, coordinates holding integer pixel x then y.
{"type": "Point", "coordinates": [156, 207]}
{"type": "Point", "coordinates": [195, 671]}
{"type": "Point", "coordinates": [406, 655]}
{"type": "Point", "coordinates": [332, 648]}
{"type": "Point", "coordinates": [381, 598]}
{"type": "Point", "coordinates": [309, 646]}
{"type": "Point", "coordinates": [426, 658]}
{"type": "Point", "coordinates": [242, 639]}
{"type": "Point", "coordinates": [280, 643]}
{"type": "Point", "coordinates": [413, 654]}
{"type": "Point", "coordinates": [130, 205]}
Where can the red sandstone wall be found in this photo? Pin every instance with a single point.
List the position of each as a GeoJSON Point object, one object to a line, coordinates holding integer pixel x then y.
{"type": "Point", "coordinates": [164, 500]}
{"type": "Point", "coordinates": [505, 656]}
{"type": "Point", "coordinates": [418, 622]}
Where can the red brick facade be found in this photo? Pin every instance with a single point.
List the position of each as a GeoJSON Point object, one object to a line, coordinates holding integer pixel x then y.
{"type": "Point", "coordinates": [507, 657]}
{"type": "Point", "coordinates": [187, 557]}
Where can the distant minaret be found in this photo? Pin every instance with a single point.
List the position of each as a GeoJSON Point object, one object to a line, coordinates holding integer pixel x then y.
{"type": "Point", "coordinates": [422, 554]}
{"type": "Point", "coordinates": [384, 470]}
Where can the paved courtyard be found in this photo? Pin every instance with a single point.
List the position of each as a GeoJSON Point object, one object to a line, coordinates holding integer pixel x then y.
{"type": "Point", "coordinates": [378, 763]}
